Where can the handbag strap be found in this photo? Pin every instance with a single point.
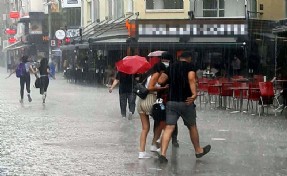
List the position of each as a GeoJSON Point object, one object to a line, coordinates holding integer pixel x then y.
{"type": "Point", "coordinates": [144, 80]}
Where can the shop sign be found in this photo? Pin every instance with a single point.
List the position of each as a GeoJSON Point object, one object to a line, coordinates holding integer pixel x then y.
{"type": "Point", "coordinates": [60, 34]}
{"type": "Point", "coordinates": [10, 31]}
{"type": "Point", "coordinates": [71, 3]}
{"type": "Point", "coordinates": [73, 33]}
{"type": "Point", "coordinates": [14, 14]}
{"type": "Point", "coordinates": [12, 40]}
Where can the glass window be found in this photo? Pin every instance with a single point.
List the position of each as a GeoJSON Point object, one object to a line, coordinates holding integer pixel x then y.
{"type": "Point", "coordinates": [164, 4]}
{"type": "Point", "coordinates": [96, 10]}
{"type": "Point", "coordinates": [119, 10]}
{"type": "Point", "coordinates": [213, 8]}
{"type": "Point", "coordinates": [89, 11]}
{"type": "Point", "coordinates": [130, 6]}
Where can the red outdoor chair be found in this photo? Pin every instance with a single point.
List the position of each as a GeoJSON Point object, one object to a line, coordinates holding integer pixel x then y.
{"type": "Point", "coordinates": [223, 80]}
{"type": "Point", "coordinates": [213, 91]}
{"type": "Point", "coordinates": [202, 90]}
{"type": "Point", "coordinates": [253, 95]}
{"type": "Point", "coordinates": [258, 78]}
{"type": "Point", "coordinates": [226, 92]}
{"type": "Point", "coordinates": [236, 93]}
{"type": "Point", "coordinates": [267, 95]}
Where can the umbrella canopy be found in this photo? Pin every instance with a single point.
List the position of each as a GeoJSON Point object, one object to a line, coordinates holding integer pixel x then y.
{"type": "Point", "coordinates": [155, 53]}
{"type": "Point", "coordinates": [133, 65]}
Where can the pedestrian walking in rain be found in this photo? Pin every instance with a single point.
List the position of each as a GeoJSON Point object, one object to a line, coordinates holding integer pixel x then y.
{"type": "Point", "coordinates": [126, 94]}
{"type": "Point", "coordinates": [23, 72]}
{"type": "Point", "coordinates": [159, 125]}
{"type": "Point", "coordinates": [144, 106]}
{"type": "Point", "coordinates": [44, 71]}
{"type": "Point", "coordinates": [182, 94]}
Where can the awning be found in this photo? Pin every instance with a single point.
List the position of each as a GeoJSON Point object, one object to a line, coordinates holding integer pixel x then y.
{"type": "Point", "coordinates": [205, 40]}
{"type": "Point", "coordinates": [10, 47]}
{"type": "Point", "coordinates": [110, 29]}
{"type": "Point", "coordinates": [268, 35]}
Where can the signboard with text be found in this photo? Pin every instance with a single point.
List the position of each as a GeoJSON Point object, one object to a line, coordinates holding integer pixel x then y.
{"type": "Point", "coordinates": [70, 3]}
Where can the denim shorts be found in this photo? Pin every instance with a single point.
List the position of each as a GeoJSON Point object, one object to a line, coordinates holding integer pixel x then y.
{"type": "Point", "coordinates": [174, 110]}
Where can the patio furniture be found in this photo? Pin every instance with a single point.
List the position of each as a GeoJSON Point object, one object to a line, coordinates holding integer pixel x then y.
{"type": "Point", "coordinates": [267, 95]}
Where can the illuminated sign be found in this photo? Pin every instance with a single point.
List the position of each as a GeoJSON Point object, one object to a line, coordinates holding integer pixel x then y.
{"type": "Point", "coordinates": [14, 14]}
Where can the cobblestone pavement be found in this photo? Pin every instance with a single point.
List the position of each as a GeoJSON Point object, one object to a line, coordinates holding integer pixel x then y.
{"type": "Point", "coordinates": [79, 131]}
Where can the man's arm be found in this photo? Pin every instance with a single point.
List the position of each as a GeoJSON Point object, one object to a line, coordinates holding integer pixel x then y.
{"type": "Point", "coordinates": [116, 81]}
{"type": "Point", "coordinates": [192, 85]}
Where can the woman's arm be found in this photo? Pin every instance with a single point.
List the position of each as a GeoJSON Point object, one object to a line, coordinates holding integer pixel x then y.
{"type": "Point", "coordinates": [153, 81]}
{"type": "Point", "coordinates": [32, 69]}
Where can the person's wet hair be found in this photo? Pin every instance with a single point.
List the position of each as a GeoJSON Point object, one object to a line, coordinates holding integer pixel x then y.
{"type": "Point", "coordinates": [24, 59]}
{"type": "Point", "coordinates": [186, 54]}
{"type": "Point", "coordinates": [166, 56]}
{"type": "Point", "coordinates": [44, 62]}
{"type": "Point", "coordinates": [158, 67]}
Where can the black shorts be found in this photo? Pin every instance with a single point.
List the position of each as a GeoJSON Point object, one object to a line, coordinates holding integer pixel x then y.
{"type": "Point", "coordinates": [174, 110]}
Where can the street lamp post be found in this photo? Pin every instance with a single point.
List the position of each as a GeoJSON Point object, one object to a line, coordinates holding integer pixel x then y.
{"type": "Point", "coordinates": [50, 30]}
{"type": "Point", "coordinates": [49, 3]}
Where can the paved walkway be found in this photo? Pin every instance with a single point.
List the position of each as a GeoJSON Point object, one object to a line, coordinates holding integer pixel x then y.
{"type": "Point", "coordinates": [79, 131]}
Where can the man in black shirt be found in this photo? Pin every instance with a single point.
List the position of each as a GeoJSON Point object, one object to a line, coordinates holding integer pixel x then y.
{"type": "Point", "coordinates": [182, 94]}
{"type": "Point", "coordinates": [126, 93]}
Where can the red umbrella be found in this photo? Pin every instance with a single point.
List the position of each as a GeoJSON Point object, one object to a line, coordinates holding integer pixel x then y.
{"type": "Point", "coordinates": [133, 64]}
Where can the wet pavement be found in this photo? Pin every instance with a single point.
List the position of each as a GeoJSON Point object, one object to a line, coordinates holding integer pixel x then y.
{"type": "Point", "coordinates": [79, 131]}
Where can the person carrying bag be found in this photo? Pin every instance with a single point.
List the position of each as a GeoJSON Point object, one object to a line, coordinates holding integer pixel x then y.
{"type": "Point", "coordinates": [144, 106]}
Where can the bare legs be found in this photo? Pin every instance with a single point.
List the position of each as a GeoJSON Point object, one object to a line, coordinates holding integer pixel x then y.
{"type": "Point", "coordinates": [145, 130]}
{"type": "Point", "coordinates": [194, 137]}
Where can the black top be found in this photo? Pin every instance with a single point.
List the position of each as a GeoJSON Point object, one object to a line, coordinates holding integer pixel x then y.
{"type": "Point", "coordinates": [126, 82]}
{"type": "Point", "coordinates": [43, 70]}
{"type": "Point", "coordinates": [179, 88]}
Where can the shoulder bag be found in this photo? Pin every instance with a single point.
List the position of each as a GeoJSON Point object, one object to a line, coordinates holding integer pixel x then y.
{"type": "Point", "coordinates": [140, 90]}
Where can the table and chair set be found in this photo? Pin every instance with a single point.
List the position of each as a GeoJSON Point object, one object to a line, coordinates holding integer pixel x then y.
{"type": "Point", "coordinates": [230, 93]}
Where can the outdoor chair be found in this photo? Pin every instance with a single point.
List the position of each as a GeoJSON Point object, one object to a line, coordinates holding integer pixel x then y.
{"type": "Point", "coordinates": [253, 95]}
{"type": "Point", "coordinates": [226, 92]}
{"type": "Point", "coordinates": [258, 78]}
{"type": "Point", "coordinates": [267, 96]}
{"type": "Point", "coordinates": [237, 93]}
{"type": "Point", "coordinates": [202, 90]}
{"type": "Point", "coordinates": [213, 92]}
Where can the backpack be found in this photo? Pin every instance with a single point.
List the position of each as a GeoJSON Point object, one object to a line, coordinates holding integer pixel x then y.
{"type": "Point", "coordinates": [20, 70]}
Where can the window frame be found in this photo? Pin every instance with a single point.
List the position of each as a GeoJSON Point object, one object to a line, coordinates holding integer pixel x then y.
{"type": "Point", "coordinates": [164, 10]}
{"type": "Point", "coordinates": [218, 10]}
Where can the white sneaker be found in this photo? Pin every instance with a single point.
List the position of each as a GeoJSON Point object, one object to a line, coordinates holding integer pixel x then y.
{"type": "Point", "coordinates": [158, 150]}
{"type": "Point", "coordinates": [21, 101]}
{"type": "Point", "coordinates": [153, 148]}
{"type": "Point", "coordinates": [143, 155]}
{"type": "Point", "coordinates": [130, 116]}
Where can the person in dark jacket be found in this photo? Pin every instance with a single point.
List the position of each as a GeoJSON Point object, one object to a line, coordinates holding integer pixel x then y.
{"type": "Point", "coordinates": [126, 94]}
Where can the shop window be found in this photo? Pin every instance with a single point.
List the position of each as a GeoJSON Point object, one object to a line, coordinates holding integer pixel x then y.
{"type": "Point", "coordinates": [213, 8]}
{"type": "Point", "coordinates": [164, 4]}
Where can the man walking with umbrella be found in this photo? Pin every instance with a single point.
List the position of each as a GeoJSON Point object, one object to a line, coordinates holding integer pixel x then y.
{"type": "Point", "coordinates": [126, 94]}
{"type": "Point", "coordinates": [127, 68]}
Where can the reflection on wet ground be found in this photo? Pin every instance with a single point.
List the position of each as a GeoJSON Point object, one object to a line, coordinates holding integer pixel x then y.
{"type": "Point", "coordinates": [79, 131]}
